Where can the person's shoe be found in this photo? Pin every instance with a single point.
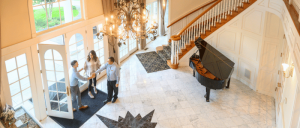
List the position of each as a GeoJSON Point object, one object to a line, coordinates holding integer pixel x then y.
{"type": "Point", "coordinates": [106, 101]}
{"type": "Point", "coordinates": [83, 107]}
{"type": "Point", "coordinates": [74, 109]}
{"type": "Point", "coordinates": [91, 95]}
{"type": "Point", "coordinates": [114, 100]}
{"type": "Point", "coordinates": [95, 90]}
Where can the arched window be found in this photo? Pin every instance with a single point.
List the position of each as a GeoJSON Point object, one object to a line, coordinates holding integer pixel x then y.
{"type": "Point", "coordinates": [56, 80]}
{"type": "Point", "coordinates": [51, 13]}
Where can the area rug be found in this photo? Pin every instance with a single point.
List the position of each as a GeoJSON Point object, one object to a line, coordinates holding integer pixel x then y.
{"type": "Point", "coordinates": [81, 116]}
{"type": "Point", "coordinates": [152, 62]}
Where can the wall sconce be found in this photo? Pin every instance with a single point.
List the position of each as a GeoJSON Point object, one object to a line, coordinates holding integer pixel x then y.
{"type": "Point", "coordinates": [288, 70]}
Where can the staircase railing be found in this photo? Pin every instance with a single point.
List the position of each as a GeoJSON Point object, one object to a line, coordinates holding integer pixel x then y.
{"type": "Point", "coordinates": [201, 24]}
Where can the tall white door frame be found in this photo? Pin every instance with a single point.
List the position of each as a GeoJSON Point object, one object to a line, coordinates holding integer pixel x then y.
{"type": "Point", "coordinates": [67, 38]}
{"type": "Point", "coordinates": [61, 79]}
{"type": "Point", "coordinates": [5, 82]}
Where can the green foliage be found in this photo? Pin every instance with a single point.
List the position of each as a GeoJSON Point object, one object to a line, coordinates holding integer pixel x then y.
{"type": "Point", "coordinates": [41, 20]}
{"type": "Point", "coordinates": [74, 8]}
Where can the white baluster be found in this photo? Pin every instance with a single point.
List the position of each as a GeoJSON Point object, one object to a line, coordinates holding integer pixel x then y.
{"type": "Point", "coordinates": [195, 30]}
{"type": "Point", "coordinates": [235, 5]}
{"type": "Point", "coordinates": [201, 27]}
{"type": "Point", "coordinates": [231, 6]}
{"type": "Point", "coordinates": [243, 3]}
{"type": "Point", "coordinates": [220, 12]}
{"type": "Point", "coordinates": [214, 17]}
{"type": "Point", "coordinates": [185, 40]}
{"type": "Point", "coordinates": [225, 9]}
{"type": "Point", "coordinates": [207, 23]}
{"type": "Point", "coordinates": [189, 36]}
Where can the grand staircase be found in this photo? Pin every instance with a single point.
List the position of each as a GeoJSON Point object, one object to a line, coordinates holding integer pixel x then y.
{"type": "Point", "coordinates": [209, 21]}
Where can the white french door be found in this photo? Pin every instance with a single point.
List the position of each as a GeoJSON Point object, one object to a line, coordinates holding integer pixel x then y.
{"type": "Point", "coordinates": [76, 49]}
{"type": "Point", "coordinates": [19, 81]}
{"type": "Point", "coordinates": [56, 80]}
{"type": "Point", "coordinates": [126, 49]}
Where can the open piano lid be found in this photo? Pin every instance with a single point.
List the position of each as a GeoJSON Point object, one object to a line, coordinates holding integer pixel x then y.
{"type": "Point", "coordinates": [214, 61]}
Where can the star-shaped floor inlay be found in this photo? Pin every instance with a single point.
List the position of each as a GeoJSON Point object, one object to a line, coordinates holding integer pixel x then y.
{"type": "Point", "coordinates": [129, 121]}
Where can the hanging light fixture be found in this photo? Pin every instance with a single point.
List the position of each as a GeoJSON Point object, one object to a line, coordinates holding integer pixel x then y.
{"type": "Point", "coordinates": [128, 21]}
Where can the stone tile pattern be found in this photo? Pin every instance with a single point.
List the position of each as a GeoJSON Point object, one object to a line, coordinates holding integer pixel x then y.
{"type": "Point", "coordinates": [152, 62]}
{"type": "Point", "coordinates": [177, 98]}
{"type": "Point", "coordinates": [129, 121]}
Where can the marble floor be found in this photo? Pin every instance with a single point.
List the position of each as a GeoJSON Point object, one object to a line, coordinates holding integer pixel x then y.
{"type": "Point", "coordinates": [177, 98]}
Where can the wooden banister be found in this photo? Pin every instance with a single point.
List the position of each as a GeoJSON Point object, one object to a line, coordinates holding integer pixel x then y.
{"type": "Point", "coordinates": [192, 12]}
{"type": "Point", "coordinates": [191, 23]}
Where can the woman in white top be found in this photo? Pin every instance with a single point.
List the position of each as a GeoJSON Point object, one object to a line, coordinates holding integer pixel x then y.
{"type": "Point", "coordinates": [90, 66]}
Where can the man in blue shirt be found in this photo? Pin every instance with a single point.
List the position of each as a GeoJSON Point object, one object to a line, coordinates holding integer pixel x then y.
{"type": "Point", "coordinates": [113, 79]}
{"type": "Point", "coordinates": [75, 92]}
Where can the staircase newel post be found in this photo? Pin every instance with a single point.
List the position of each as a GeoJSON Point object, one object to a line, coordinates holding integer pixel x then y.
{"type": "Point", "coordinates": [174, 51]}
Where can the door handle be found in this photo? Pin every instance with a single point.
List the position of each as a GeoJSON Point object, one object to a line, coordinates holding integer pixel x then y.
{"type": "Point", "coordinates": [68, 91]}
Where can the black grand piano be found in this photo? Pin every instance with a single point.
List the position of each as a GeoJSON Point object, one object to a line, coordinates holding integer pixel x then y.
{"type": "Point", "coordinates": [213, 69]}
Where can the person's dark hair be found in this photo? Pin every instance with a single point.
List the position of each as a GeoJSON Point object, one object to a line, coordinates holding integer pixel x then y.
{"type": "Point", "coordinates": [112, 59]}
{"type": "Point", "coordinates": [94, 56]}
{"type": "Point", "coordinates": [73, 62]}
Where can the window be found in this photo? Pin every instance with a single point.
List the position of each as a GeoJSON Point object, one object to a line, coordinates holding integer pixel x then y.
{"type": "Point", "coordinates": [51, 13]}
{"type": "Point", "coordinates": [123, 50]}
{"type": "Point", "coordinates": [166, 19]}
{"type": "Point", "coordinates": [132, 44]}
{"type": "Point", "coordinates": [19, 82]}
{"type": "Point", "coordinates": [76, 48]}
{"type": "Point", "coordinates": [98, 46]}
{"type": "Point", "coordinates": [56, 80]}
{"type": "Point", "coordinates": [56, 40]}
{"type": "Point", "coordinates": [153, 13]}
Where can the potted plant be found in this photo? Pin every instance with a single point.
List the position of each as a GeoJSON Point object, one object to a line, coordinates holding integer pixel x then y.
{"type": "Point", "coordinates": [8, 115]}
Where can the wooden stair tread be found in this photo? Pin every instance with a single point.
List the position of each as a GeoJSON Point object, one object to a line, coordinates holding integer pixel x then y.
{"type": "Point", "coordinates": [159, 48]}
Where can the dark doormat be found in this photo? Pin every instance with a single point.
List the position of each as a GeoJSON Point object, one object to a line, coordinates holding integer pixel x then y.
{"type": "Point", "coordinates": [81, 116]}
{"type": "Point", "coordinates": [152, 62]}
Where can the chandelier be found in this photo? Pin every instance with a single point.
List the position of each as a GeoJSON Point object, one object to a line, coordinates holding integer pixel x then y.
{"type": "Point", "coordinates": [128, 21]}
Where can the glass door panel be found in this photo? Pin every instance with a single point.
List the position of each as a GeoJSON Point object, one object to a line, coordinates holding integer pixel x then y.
{"type": "Point", "coordinates": [19, 77]}
{"type": "Point", "coordinates": [76, 48]}
{"type": "Point", "coordinates": [55, 77]}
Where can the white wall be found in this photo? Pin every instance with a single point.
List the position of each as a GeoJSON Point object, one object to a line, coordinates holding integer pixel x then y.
{"type": "Point", "coordinates": [179, 8]}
